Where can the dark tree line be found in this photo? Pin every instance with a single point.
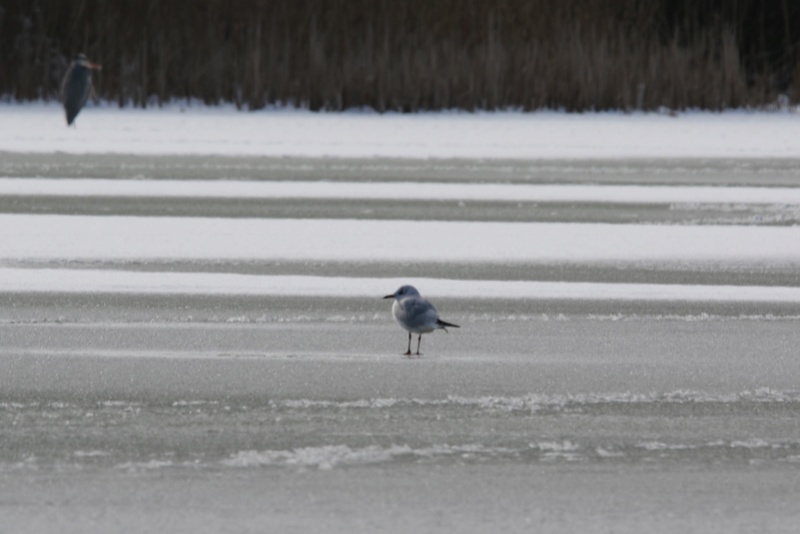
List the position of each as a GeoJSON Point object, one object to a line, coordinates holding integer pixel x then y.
{"type": "Point", "coordinates": [411, 55]}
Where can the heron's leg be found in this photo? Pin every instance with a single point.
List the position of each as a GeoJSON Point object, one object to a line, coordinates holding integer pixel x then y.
{"type": "Point", "coordinates": [408, 353]}
{"type": "Point", "coordinates": [419, 340]}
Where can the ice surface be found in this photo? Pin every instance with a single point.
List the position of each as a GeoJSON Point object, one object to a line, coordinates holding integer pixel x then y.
{"type": "Point", "coordinates": [184, 352]}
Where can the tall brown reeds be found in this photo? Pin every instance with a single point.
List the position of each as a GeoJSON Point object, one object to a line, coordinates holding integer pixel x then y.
{"type": "Point", "coordinates": [411, 55]}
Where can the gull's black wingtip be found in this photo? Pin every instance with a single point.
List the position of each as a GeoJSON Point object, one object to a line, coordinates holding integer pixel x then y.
{"type": "Point", "coordinates": [444, 323]}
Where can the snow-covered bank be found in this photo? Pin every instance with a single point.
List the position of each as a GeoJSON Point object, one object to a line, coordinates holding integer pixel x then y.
{"type": "Point", "coordinates": [547, 135]}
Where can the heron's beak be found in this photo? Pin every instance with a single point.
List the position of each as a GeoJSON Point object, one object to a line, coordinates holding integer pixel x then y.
{"type": "Point", "coordinates": [389, 297]}
{"type": "Point", "coordinates": [94, 66]}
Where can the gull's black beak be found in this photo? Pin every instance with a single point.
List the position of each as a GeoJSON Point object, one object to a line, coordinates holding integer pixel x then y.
{"type": "Point", "coordinates": [389, 297]}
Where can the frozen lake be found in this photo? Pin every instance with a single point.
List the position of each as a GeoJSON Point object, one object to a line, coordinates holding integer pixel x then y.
{"type": "Point", "coordinates": [197, 343]}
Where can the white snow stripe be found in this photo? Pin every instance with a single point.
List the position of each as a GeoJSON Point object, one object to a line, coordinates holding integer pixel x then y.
{"type": "Point", "coordinates": [134, 282]}
{"type": "Point", "coordinates": [66, 187]}
{"type": "Point", "coordinates": [64, 237]}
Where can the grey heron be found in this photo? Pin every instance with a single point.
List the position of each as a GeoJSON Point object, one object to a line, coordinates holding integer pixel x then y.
{"type": "Point", "coordinates": [77, 85]}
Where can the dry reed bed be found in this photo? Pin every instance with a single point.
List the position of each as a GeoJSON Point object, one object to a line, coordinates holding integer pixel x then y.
{"type": "Point", "coordinates": [411, 55]}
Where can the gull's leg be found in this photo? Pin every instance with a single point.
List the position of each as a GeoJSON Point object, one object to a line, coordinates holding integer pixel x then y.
{"type": "Point", "coordinates": [419, 340]}
{"type": "Point", "coordinates": [408, 353]}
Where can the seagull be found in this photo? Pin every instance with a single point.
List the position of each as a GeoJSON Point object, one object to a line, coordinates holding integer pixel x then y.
{"type": "Point", "coordinates": [415, 314]}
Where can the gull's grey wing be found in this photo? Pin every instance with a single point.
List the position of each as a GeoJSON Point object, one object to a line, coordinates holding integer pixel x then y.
{"type": "Point", "coordinates": [418, 312]}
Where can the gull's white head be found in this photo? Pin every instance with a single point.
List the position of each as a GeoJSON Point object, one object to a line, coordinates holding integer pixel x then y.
{"type": "Point", "coordinates": [403, 292]}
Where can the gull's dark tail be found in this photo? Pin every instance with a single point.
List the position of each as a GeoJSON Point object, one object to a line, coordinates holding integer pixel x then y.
{"type": "Point", "coordinates": [443, 324]}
